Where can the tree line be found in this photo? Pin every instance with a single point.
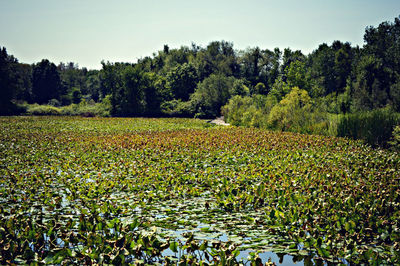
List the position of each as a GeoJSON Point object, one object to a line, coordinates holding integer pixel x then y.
{"type": "Point", "coordinates": [199, 81]}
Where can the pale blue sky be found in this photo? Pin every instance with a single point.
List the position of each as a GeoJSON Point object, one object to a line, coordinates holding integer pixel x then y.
{"type": "Point", "coordinates": [88, 31]}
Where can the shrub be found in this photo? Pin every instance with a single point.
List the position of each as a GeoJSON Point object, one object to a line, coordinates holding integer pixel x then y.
{"type": "Point", "coordinates": [54, 102]}
{"type": "Point", "coordinates": [36, 109]}
{"type": "Point", "coordinates": [247, 111]}
{"type": "Point", "coordinates": [292, 113]}
{"type": "Point", "coordinates": [395, 141]}
{"type": "Point", "coordinates": [84, 108]}
{"type": "Point", "coordinates": [103, 108]}
{"type": "Point", "coordinates": [88, 109]}
{"type": "Point", "coordinates": [234, 110]}
{"type": "Point", "coordinates": [177, 108]}
{"type": "Point", "coordinates": [374, 127]}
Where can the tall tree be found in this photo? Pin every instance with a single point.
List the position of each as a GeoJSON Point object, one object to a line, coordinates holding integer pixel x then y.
{"type": "Point", "coordinates": [218, 57]}
{"type": "Point", "coordinates": [73, 81]}
{"type": "Point", "coordinates": [368, 90]}
{"type": "Point", "coordinates": [23, 74]}
{"type": "Point", "coordinates": [128, 85]}
{"type": "Point", "coordinates": [329, 67]}
{"type": "Point", "coordinates": [7, 82]}
{"type": "Point", "coordinates": [182, 80]}
{"type": "Point", "coordinates": [211, 94]}
{"type": "Point", "coordinates": [250, 65]}
{"type": "Point", "coordinates": [46, 82]}
{"type": "Point", "coordinates": [93, 85]}
{"type": "Point", "coordinates": [289, 57]}
{"type": "Point", "coordinates": [378, 70]}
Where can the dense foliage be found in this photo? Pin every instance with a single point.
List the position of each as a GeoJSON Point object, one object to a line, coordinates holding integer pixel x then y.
{"type": "Point", "coordinates": [123, 190]}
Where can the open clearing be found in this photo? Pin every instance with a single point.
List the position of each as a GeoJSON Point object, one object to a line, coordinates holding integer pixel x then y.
{"type": "Point", "coordinates": [122, 190]}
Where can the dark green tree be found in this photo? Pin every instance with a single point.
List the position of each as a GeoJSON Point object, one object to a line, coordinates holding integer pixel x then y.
{"type": "Point", "coordinates": [135, 81]}
{"type": "Point", "coordinates": [182, 80]}
{"type": "Point", "coordinates": [23, 74]}
{"type": "Point", "coordinates": [378, 69]}
{"type": "Point", "coordinates": [289, 57]}
{"type": "Point", "coordinates": [344, 58]}
{"type": "Point", "coordinates": [260, 66]}
{"type": "Point", "coordinates": [370, 90]}
{"type": "Point", "coordinates": [46, 82]}
{"type": "Point", "coordinates": [250, 65]}
{"type": "Point", "coordinates": [7, 82]}
{"type": "Point", "coordinates": [296, 75]}
{"type": "Point", "coordinates": [269, 67]}
{"type": "Point", "coordinates": [218, 57]}
{"type": "Point", "coordinates": [130, 87]}
{"type": "Point", "coordinates": [110, 78]}
{"type": "Point", "coordinates": [211, 94]}
{"type": "Point", "coordinates": [383, 42]}
{"type": "Point", "coordinates": [93, 85]}
{"type": "Point", "coordinates": [73, 79]}
{"type": "Point", "coordinates": [329, 67]}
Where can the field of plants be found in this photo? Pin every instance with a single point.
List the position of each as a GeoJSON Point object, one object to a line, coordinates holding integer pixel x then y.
{"type": "Point", "coordinates": [182, 191]}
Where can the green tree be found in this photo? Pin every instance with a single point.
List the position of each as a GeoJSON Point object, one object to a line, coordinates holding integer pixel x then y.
{"type": "Point", "coordinates": [211, 94]}
{"type": "Point", "coordinates": [260, 88]}
{"type": "Point", "coordinates": [249, 111]}
{"type": "Point", "coordinates": [73, 79]}
{"type": "Point", "coordinates": [46, 82]}
{"type": "Point", "coordinates": [329, 67]}
{"type": "Point", "coordinates": [292, 112]}
{"type": "Point", "coordinates": [260, 66]}
{"type": "Point", "coordinates": [154, 93]}
{"type": "Point", "coordinates": [368, 89]}
{"type": "Point", "coordinates": [378, 69]}
{"type": "Point", "coordinates": [280, 89]}
{"type": "Point", "coordinates": [395, 96]}
{"type": "Point", "coordinates": [110, 78]}
{"type": "Point", "coordinates": [76, 95]}
{"type": "Point", "coordinates": [7, 82]}
{"type": "Point", "coordinates": [219, 57]}
{"type": "Point", "coordinates": [129, 99]}
{"type": "Point", "coordinates": [288, 58]}
{"type": "Point", "coordinates": [93, 85]}
{"type": "Point", "coordinates": [383, 42]}
{"type": "Point", "coordinates": [250, 65]}
{"type": "Point", "coordinates": [269, 67]}
{"type": "Point", "coordinates": [239, 87]}
{"type": "Point", "coordinates": [23, 73]}
{"type": "Point", "coordinates": [344, 57]}
{"type": "Point", "coordinates": [296, 75]}
{"type": "Point", "coordinates": [182, 80]}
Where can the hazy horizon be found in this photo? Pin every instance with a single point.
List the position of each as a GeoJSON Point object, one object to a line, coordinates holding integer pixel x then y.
{"type": "Point", "coordinates": [87, 32]}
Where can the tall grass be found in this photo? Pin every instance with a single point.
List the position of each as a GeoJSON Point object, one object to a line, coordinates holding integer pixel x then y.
{"type": "Point", "coordinates": [374, 127]}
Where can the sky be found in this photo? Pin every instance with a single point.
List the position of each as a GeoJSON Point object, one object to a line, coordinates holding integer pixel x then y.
{"type": "Point", "coordinates": [89, 31]}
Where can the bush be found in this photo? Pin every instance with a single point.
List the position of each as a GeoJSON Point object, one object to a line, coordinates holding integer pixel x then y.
{"type": "Point", "coordinates": [36, 109]}
{"type": "Point", "coordinates": [54, 102]}
{"type": "Point", "coordinates": [84, 108]}
{"type": "Point", "coordinates": [296, 112]}
{"type": "Point", "coordinates": [177, 108]}
{"type": "Point", "coordinates": [234, 110]}
{"type": "Point", "coordinates": [88, 109]}
{"type": "Point", "coordinates": [292, 113]}
{"type": "Point", "coordinates": [395, 141]}
{"type": "Point", "coordinates": [374, 127]}
{"type": "Point", "coordinates": [248, 111]}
